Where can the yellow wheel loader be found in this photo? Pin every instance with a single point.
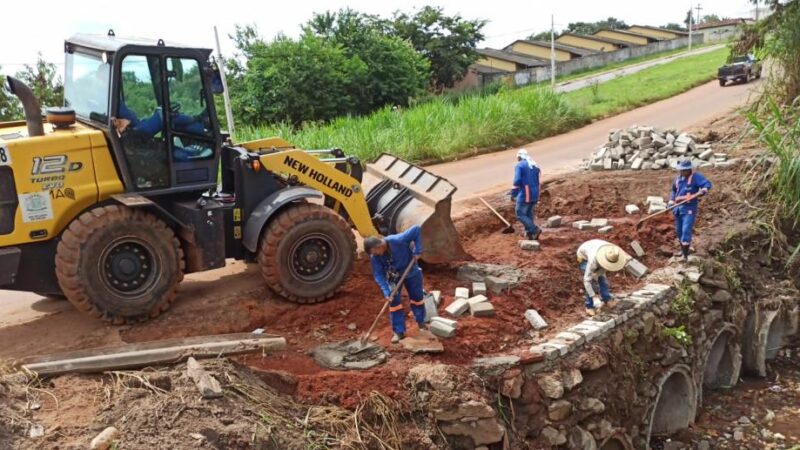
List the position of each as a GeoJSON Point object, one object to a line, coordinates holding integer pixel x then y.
{"type": "Point", "coordinates": [112, 198]}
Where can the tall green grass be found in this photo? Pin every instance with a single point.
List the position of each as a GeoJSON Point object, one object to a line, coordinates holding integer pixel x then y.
{"type": "Point", "coordinates": [443, 129]}
{"type": "Point", "coordinates": [439, 129]}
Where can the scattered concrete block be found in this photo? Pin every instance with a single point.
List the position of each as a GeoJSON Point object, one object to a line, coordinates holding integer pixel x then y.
{"type": "Point", "coordinates": [605, 230]}
{"type": "Point", "coordinates": [431, 307]}
{"type": "Point", "coordinates": [654, 199]}
{"type": "Point", "coordinates": [635, 268]}
{"type": "Point", "coordinates": [536, 320]}
{"type": "Point", "coordinates": [437, 297]}
{"type": "Point", "coordinates": [577, 224]}
{"type": "Point", "coordinates": [586, 226]}
{"type": "Point", "coordinates": [571, 339]}
{"type": "Point", "coordinates": [458, 307]}
{"type": "Point", "coordinates": [477, 299]}
{"type": "Point", "coordinates": [637, 163]}
{"type": "Point", "coordinates": [656, 207]}
{"type": "Point", "coordinates": [448, 322]}
{"type": "Point", "coordinates": [462, 292]}
{"type": "Point", "coordinates": [599, 223]}
{"type": "Point", "coordinates": [637, 249]}
{"type": "Point", "coordinates": [208, 386]}
{"type": "Point", "coordinates": [478, 288]}
{"type": "Point", "coordinates": [706, 155]}
{"type": "Point", "coordinates": [441, 329]}
{"type": "Point", "coordinates": [553, 222]}
{"type": "Point", "coordinates": [484, 309]}
{"type": "Point", "coordinates": [607, 163]}
{"type": "Point", "coordinates": [632, 209]}
{"type": "Point", "coordinates": [529, 245]}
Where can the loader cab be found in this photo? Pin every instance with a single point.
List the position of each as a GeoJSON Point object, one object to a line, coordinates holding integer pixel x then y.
{"type": "Point", "coordinates": [155, 104]}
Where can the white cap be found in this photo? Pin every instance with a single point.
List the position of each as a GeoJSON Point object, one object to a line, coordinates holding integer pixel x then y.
{"type": "Point", "coordinates": [522, 153]}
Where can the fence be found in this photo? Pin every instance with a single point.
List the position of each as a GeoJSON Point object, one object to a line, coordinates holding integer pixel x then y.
{"type": "Point", "coordinates": [592, 61]}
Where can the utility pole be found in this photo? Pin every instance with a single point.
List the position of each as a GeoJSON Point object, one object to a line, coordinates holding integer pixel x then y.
{"type": "Point", "coordinates": [552, 52]}
{"type": "Point", "coordinates": [225, 94]}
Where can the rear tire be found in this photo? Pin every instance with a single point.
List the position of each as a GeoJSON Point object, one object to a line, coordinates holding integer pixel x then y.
{"type": "Point", "coordinates": [119, 264]}
{"type": "Point", "coordinates": [306, 253]}
{"type": "Point", "coordinates": [722, 83]}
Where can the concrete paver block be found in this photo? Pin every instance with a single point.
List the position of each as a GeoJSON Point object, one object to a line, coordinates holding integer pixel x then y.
{"type": "Point", "coordinates": [529, 245]}
{"type": "Point", "coordinates": [462, 292]}
{"type": "Point", "coordinates": [588, 333]}
{"type": "Point", "coordinates": [553, 222]}
{"type": "Point", "coordinates": [448, 322]}
{"type": "Point", "coordinates": [431, 308]}
{"type": "Point", "coordinates": [656, 207]}
{"type": "Point", "coordinates": [635, 268]}
{"type": "Point", "coordinates": [549, 352]}
{"type": "Point", "coordinates": [654, 199]}
{"type": "Point", "coordinates": [605, 230]}
{"type": "Point", "coordinates": [441, 329]}
{"type": "Point", "coordinates": [458, 307]}
{"type": "Point", "coordinates": [559, 346]}
{"type": "Point", "coordinates": [637, 249]}
{"type": "Point", "coordinates": [477, 299]}
{"type": "Point", "coordinates": [577, 224]}
{"type": "Point", "coordinates": [536, 320]}
{"type": "Point", "coordinates": [478, 288]}
{"type": "Point", "coordinates": [572, 339]}
{"type": "Point", "coordinates": [599, 223]}
{"type": "Point", "coordinates": [437, 297]}
{"type": "Point", "coordinates": [586, 226]}
{"type": "Point", "coordinates": [484, 309]}
{"type": "Point", "coordinates": [632, 209]}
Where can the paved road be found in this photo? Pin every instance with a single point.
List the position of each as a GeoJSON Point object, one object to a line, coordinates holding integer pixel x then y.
{"type": "Point", "coordinates": [473, 176]}
{"type": "Point", "coordinates": [563, 153]}
{"type": "Point", "coordinates": [574, 85]}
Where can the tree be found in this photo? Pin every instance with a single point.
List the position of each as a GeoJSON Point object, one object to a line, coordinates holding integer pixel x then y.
{"type": "Point", "coordinates": [44, 81]}
{"type": "Point", "coordinates": [710, 18]}
{"type": "Point", "coordinates": [593, 27]}
{"type": "Point", "coordinates": [689, 20]}
{"type": "Point", "coordinates": [674, 26]}
{"type": "Point", "coordinates": [309, 79]}
{"type": "Point", "coordinates": [10, 108]}
{"type": "Point", "coordinates": [447, 42]}
{"type": "Point", "coordinates": [395, 71]}
{"type": "Point", "coordinates": [543, 36]}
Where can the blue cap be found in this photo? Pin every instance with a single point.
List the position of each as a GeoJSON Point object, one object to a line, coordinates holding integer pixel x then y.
{"type": "Point", "coordinates": [685, 164]}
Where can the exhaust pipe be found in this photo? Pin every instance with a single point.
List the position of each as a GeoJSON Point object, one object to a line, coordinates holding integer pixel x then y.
{"type": "Point", "coordinates": [33, 112]}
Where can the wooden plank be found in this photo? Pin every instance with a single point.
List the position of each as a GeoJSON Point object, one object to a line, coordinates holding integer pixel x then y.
{"type": "Point", "coordinates": [144, 354]}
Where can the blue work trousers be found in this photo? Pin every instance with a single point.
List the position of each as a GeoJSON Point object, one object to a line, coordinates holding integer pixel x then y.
{"type": "Point", "coordinates": [526, 213]}
{"type": "Point", "coordinates": [601, 285]}
{"type": "Point", "coordinates": [684, 226]}
{"type": "Point", "coordinates": [397, 314]}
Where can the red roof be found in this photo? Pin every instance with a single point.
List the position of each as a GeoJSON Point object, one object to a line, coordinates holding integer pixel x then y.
{"type": "Point", "coordinates": [722, 23]}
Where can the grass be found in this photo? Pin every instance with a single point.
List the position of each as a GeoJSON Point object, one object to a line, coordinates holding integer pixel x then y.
{"type": "Point", "coordinates": [628, 62]}
{"type": "Point", "coordinates": [649, 85]}
{"type": "Point", "coordinates": [442, 130]}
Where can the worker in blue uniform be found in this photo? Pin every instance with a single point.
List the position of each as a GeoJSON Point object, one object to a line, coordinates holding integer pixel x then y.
{"type": "Point", "coordinates": [688, 186]}
{"type": "Point", "coordinates": [525, 193]}
{"type": "Point", "coordinates": [390, 256]}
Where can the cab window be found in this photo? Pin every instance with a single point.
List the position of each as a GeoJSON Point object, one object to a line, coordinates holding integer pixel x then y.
{"type": "Point", "coordinates": [192, 137]}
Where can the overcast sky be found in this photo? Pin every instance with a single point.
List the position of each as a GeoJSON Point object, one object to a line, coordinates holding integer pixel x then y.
{"type": "Point", "coordinates": [192, 22]}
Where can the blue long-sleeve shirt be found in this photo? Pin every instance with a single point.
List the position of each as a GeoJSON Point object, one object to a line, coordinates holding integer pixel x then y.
{"type": "Point", "coordinates": [526, 182]}
{"type": "Point", "coordinates": [389, 267]}
{"type": "Point", "coordinates": [688, 186]}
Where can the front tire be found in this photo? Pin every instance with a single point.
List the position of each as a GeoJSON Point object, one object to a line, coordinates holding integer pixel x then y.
{"type": "Point", "coordinates": [119, 264]}
{"type": "Point", "coordinates": [306, 253]}
{"type": "Point", "coordinates": [722, 83]}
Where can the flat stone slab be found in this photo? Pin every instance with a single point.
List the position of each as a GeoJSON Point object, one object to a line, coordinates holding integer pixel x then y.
{"type": "Point", "coordinates": [349, 355]}
{"type": "Point", "coordinates": [423, 342]}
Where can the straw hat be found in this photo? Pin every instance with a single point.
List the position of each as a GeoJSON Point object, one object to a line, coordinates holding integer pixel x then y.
{"type": "Point", "coordinates": [611, 258]}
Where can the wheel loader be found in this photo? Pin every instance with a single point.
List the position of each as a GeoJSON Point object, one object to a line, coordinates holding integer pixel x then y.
{"type": "Point", "coordinates": [111, 198]}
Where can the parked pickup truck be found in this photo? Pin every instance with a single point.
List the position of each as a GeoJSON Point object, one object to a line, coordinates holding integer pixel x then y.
{"type": "Point", "coordinates": [741, 68]}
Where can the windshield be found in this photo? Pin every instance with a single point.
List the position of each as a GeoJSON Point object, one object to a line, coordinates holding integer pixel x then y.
{"type": "Point", "coordinates": [86, 86]}
{"type": "Point", "coordinates": [739, 59]}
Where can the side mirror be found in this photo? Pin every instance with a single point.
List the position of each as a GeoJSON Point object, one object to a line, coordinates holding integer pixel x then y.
{"type": "Point", "coordinates": [216, 80]}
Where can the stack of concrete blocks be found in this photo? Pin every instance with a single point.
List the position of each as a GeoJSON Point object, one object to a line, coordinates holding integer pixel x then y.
{"type": "Point", "coordinates": [655, 204]}
{"type": "Point", "coordinates": [479, 306]}
{"type": "Point", "coordinates": [648, 148]}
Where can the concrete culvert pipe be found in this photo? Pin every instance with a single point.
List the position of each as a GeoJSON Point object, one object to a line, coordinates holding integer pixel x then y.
{"type": "Point", "coordinates": [676, 403]}
{"type": "Point", "coordinates": [765, 334]}
{"type": "Point", "coordinates": [775, 337]}
{"type": "Point", "coordinates": [723, 360]}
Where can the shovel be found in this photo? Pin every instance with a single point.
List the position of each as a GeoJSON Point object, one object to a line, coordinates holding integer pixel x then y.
{"type": "Point", "coordinates": [364, 339]}
{"type": "Point", "coordinates": [508, 229]}
{"type": "Point", "coordinates": [688, 199]}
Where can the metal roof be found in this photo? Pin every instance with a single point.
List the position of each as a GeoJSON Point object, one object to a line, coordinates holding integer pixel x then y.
{"type": "Point", "coordinates": [566, 48]}
{"type": "Point", "coordinates": [721, 23]}
{"type": "Point", "coordinates": [111, 43]}
{"type": "Point", "coordinates": [665, 30]}
{"type": "Point", "coordinates": [632, 34]}
{"type": "Point", "coordinates": [600, 39]}
{"type": "Point", "coordinates": [515, 57]}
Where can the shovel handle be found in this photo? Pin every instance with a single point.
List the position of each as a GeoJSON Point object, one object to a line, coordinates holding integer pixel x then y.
{"type": "Point", "coordinates": [495, 212]}
{"type": "Point", "coordinates": [386, 304]}
{"type": "Point", "coordinates": [690, 198]}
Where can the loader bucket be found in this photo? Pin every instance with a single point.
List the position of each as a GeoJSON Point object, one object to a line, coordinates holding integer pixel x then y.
{"type": "Point", "coordinates": [409, 195]}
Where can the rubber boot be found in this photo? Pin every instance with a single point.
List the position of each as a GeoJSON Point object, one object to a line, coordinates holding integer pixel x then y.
{"type": "Point", "coordinates": [685, 252]}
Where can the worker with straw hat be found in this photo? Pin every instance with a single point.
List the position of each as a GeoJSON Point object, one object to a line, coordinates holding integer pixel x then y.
{"type": "Point", "coordinates": [595, 258]}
